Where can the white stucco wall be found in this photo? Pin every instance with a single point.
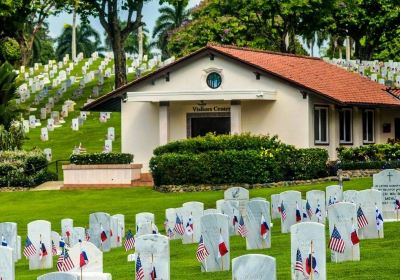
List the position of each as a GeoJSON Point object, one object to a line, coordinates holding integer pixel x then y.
{"type": "Point", "coordinates": [287, 116]}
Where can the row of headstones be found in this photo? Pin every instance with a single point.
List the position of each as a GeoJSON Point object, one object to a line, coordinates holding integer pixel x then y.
{"type": "Point", "coordinates": [377, 71]}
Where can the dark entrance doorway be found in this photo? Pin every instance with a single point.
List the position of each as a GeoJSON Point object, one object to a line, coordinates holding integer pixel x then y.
{"type": "Point", "coordinates": [397, 129]}
{"type": "Point", "coordinates": [201, 124]}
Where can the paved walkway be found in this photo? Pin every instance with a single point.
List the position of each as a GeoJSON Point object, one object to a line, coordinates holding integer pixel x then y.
{"type": "Point", "coordinates": [49, 186]}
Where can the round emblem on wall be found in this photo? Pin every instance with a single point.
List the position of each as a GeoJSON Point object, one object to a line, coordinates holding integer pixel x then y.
{"type": "Point", "coordinates": [214, 80]}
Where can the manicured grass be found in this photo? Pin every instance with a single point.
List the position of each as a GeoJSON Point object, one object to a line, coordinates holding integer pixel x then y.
{"type": "Point", "coordinates": [23, 207]}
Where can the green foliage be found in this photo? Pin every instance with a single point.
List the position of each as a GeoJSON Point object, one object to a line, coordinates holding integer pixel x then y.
{"type": "Point", "coordinates": [13, 138]}
{"type": "Point", "coordinates": [8, 110]}
{"type": "Point", "coordinates": [234, 159]}
{"type": "Point", "coordinates": [171, 17]}
{"type": "Point", "coordinates": [87, 41]}
{"type": "Point", "coordinates": [23, 169]}
{"type": "Point", "coordinates": [374, 156]}
{"type": "Point", "coordinates": [102, 158]}
{"type": "Point", "coordinates": [9, 50]}
{"type": "Point", "coordinates": [211, 142]}
{"type": "Point", "coordinates": [43, 46]}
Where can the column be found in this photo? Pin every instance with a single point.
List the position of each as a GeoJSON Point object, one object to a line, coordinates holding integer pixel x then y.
{"type": "Point", "coordinates": [333, 132]}
{"type": "Point", "coordinates": [164, 123]}
{"type": "Point", "coordinates": [236, 117]}
{"type": "Point", "coordinates": [378, 131]}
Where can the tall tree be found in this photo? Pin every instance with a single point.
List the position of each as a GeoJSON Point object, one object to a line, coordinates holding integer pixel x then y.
{"type": "Point", "coordinates": [7, 93]}
{"type": "Point", "coordinates": [171, 17]}
{"type": "Point", "coordinates": [87, 41]}
{"type": "Point", "coordinates": [131, 44]}
{"type": "Point", "coordinates": [43, 46]}
{"type": "Point", "coordinates": [109, 12]}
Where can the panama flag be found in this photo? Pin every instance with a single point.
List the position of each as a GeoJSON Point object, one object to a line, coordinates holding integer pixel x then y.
{"type": "Point", "coordinates": [354, 236]}
{"type": "Point", "coordinates": [153, 274]}
{"type": "Point", "coordinates": [298, 214]}
{"type": "Point", "coordinates": [3, 241]}
{"type": "Point", "coordinates": [379, 219]}
{"type": "Point", "coordinates": [264, 228]}
{"type": "Point", "coordinates": [62, 243]}
{"type": "Point", "coordinates": [318, 212]}
{"type": "Point", "coordinates": [311, 265]}
{"type": "Point", "coordinates": [222, 249]}
{"type": "Point", "coordinates": [83, 260]}
{"type": "Point", "coordinates": [103, 235]}
{"type": "Point", "coordinates": [189, 226]}
{"type": "Point", "coordinates": [235, 220]}
{"type": "Point", "coordinates": [43, 252]}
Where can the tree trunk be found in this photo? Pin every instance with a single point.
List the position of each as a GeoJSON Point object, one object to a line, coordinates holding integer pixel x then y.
{"type": "Point", "coordinates": [119, 60]}
{"type": "Point", "coordinates": [25, 48]}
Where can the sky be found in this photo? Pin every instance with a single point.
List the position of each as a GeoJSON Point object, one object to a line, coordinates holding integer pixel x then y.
{"type": "Point", "coordinates": [150, 14]}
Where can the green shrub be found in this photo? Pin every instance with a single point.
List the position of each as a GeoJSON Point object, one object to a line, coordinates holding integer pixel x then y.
{"type": "Point", "coordinates": [102, 158]}
{"type": "Point", "coordinates": [10, 50]}
{"type": "Point", "coordinates": [23, 169]}
{"type": "Point", "coordinates": [212, 142]}
{"type": "Point", "coordinates": [235, 165]}
{"type": "Point", "coordinates": [44, 176]}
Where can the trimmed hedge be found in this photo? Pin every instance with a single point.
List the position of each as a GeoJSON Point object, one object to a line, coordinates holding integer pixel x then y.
{"type": "Point", "coordinates": [230, 166]}
{"type": "Point", "coordinates": [212, 142]}
{"type": "Point", "coordinates": [24, 169]}
{"type": "Point", "coordinates": [373, 152]}
{"type": "Point", "coordinates": [374, 156]}
{"type": "Point", "coordinates": [102, 158]}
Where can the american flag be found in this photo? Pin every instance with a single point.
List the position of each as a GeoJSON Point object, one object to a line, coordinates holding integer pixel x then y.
{"type": "Point", "coordinates": [29, 249]}
{"type": "Point", "coordinates": [336, 243]}
{"type": "Point", "coordinates": [53, 248]}
{"type": "Point", "coordinates": [201, 252]}
{"type": "Point", "coordinates": [129, 241]}
{"type": "Point", "coordinates": [139, 269]}
{"type": "Point", "coordinates": [361, 219]}
{"type": "Point", "coordinates": [242, 229]}
{"type": "Point", "coordinates": [64, 262]}
{"type": "Point", "coordinates": [299, 262]}
{"type": "Point", "coordinates": [283, 212]}
{"type": "Point", "coordinates": [179, 228]}
{"type": "Point", "coordinates": [170, 233]}
{"type": "Point", "coordinates": [309, 210]}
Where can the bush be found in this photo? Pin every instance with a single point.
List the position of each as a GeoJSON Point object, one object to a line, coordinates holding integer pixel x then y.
{"type": "Point", "coordinates": [10, 50]}
{"type": "Point", "coordinates": [212, 142]}
{"type": "Point", "coordinates": [271, 161]}
{"type": "Point", "coordinates": [23, 169]}
{"type": "Point", "coordinates": [102, 158]}
{"type": "Point", "coordinates": [374, 156]}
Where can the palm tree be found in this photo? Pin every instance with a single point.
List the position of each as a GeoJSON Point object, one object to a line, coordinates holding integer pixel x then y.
{"type": "Point", "coordinates": [171, 17]}
{"type": "Point", "coordinates": [87, 41]}
{"type": "Point", "coordinates": [131, 44]}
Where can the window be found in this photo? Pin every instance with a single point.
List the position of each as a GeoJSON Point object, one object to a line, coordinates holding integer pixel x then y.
{"type": "Point", "coordinates": [346, 126]}
{"type": "Point", "coordinates": [368, 126]}
{"type": "Point", "coordinates": [321, 125]}
{"type": "Point", "coordinates": [214, 80]}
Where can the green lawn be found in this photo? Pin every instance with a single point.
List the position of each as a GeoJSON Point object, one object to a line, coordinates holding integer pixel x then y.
{"type": "Point", "coordinates": [23, 207]}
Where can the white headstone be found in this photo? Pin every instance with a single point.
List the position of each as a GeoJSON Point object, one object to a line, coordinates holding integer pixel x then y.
{"type": "Point", "coordinates": [66, 229]}
{"type": "Point", "coordinates": [275, 206]}
{"type": "Point", "coordinates": [111, 133]}
{"type": "Point", "coordinates": [121, 228]}
{"type": "Point", "coordinates": [32, 121]}
{"type": "Point", "coordinates": [388, 182]}
{"type": "Point", "coordinates": [144, 223]}
{"type": "Point", "coordinates": [78, 235]}
{"type": "Point", "coordinates": [59, 276]}
{"type": "Point", "coordinates": [254, 266]}
{"type": "Point", "coordinates": [240, 194]}
{"type": "Point", "coordinates": [334, 194]}
{"type": "Point", "coordinates": [215, 234]}
{"type": "Point", "coordinates": [50, 124]}
{"type": "Point", "coordinates": [39, 231]}
{"type": "Point", "coordinates": [350, 196]}
{"type": "Point", "coordinates": [107, 146]}
{"type": "Point", "coordinates": [153, 251]}
{"type": "Point", "coordinates": [170, 219]}
{"type": "Point", "coordinates": [8, 231]}
{"type": "Point", "coordinates": [342, 215]}
{"type": "Point", "coordinates": [75, 124]}
{"type": "Point", "coordinates": [231, 208]}
{"type": "Point", "coordinates": [7, 267]}
{"type": "Point", "coordinates": [258, 220]}
{"type": "Point", "coordinates": [369, 200]}
{"type": "Point", "coordinates": [308, 240]}
{"type": "Point", "coordinates": [192, 211]}
{"type": "Point", "coordinates": [316, 199]}
{"type": "Point", "coordinates": [114, 237]}
{"type": "Point", "coordinates": [291, 201]}
{"type": "Point", "coordinates": [100, 222]}
{"type": "Point", "coordinates": [48, 154]}
{"type": "Point", "coordinates": [94, 255]}
{"type": "Point", "coordinates": [44, 134]}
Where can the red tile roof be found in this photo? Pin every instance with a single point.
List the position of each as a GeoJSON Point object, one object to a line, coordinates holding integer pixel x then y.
{"type": "Point", "coordinates": [314, 74]}
{"type": "Point", "coordinates": [309, 73]}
